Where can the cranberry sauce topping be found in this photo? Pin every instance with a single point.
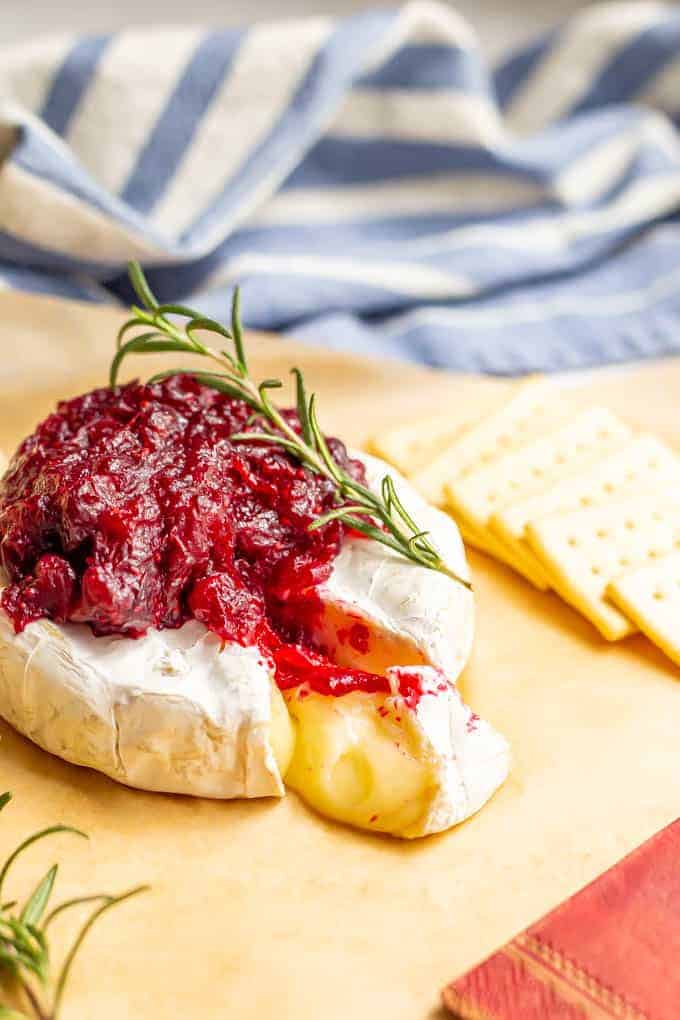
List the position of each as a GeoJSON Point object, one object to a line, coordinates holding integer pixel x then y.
{"type": "Point", "coordinates": [131, 508]}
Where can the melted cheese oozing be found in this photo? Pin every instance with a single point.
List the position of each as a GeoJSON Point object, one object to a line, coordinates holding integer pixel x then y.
{"type": "Point", "coordinates": [367, 760]}
{"type": "Point", "coordinates": [281, 731]}
{"type": "Point", "coordinates": [360, 760]}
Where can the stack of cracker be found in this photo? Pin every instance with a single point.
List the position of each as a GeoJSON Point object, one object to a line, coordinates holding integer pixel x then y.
{"type": "Point", "coordinates": [569, 497]}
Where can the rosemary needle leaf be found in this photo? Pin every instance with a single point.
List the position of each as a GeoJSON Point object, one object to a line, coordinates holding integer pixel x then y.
{"type": "Point", "coordinates": [237, 332]}
{"type": "Point", "coordinates": [5, 798]}
{"type": "Point", "coordinates": [11, 1014]}
{"type": "Point", "coordinates": [141, 287]}
{"type": "Point", "coordinates": [80, 938]}
{"type": "Point", "coordinates": [338, 514]}
{"type": "Point", "coordinates": [77, 902]}
{"type": "Point", "coordinates": [200, 322]}
{"type": "Point", "coordinates": [51, 831]}
{"type": "Point", "coordinates": [147, 342]}
{"type": "Point", "coordinates": [37, 902]}
{"type": "Point", "coordinates": [302, 406]}
{"type": "Point", "coordinates": [265, 437]}
{"type": "Point", "coordinates": [187, 313]}
{"type": "Point", "coordinates": [415, 541]}
{"type": "Point", "coordinates": [321, 444]}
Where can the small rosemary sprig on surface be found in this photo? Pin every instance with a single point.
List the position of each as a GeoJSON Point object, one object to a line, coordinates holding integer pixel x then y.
{"type": "Point", "coordinates": [381, 516]}
{"type": "Point", "coordinates": [25, 965]}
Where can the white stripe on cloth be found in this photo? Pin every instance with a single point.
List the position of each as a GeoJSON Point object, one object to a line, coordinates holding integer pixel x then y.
{"type": "Point", "coordinates": [591, 176]}
{"type": "Point", "coordinates": [425, 21]}
{"type": "Point", "coordinates": [586, 46]}
{"type": "Point", "coordinates": [643, 200]}
{"type": "Point", "coordinates": [272, 60]}
{"type": "Point", "coordinates": [125, 99]}
{"type": "Point", "coordinates": [598, 306]}
{"type": "Point", "coordinates": [403, 277]}
{"type": "Point", "coordinates": [442, 116]}
{"type": "Point", "coordinates": [417, 196]}
{"type": "Point", "coordinates": [35, 212]}
{"type": "Point", "coordinates": [27, 71]}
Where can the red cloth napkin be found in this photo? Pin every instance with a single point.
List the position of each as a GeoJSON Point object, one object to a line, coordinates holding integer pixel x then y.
{"type": "Point", "coordinates": [611, 951]}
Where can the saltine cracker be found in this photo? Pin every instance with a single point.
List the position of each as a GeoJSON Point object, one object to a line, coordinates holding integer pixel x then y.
{"type": "Point", "coordinates": [586, 550]}
{"type": "Point", "coordinates": [650, 596]}
{"type": "Point", "coordinates": [537, 407]}
{"type": "Point", "coordinates": [641, 463]}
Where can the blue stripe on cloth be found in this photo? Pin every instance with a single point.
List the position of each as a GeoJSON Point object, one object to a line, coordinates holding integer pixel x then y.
{"type": "Point", "coordinates": [176, 126]}
{"type": "Point", "coordinates": [369, 160]}
{"type": "Point", "coordinates": [35, 282]}
{"type": "Point", "coordinates": [318, 94]}
{"type": "Point", "coordinates": [632, 67]}
{"type": "Point", "coordinates": [428, 66]}
{"type": "Point", "coordinates": [22, 253]}
{"type": "Point", "coordinates": [71, 81]}
{"type": "Point", "coordinates": [515, 71]}
{"type": "Point", "coordinates": [336, 160]}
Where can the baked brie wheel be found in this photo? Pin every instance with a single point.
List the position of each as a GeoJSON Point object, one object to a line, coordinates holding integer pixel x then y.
{"type": "Point", "coordinates": [205, 595]}
{"type": "Point", "coordinates": [181, 711]}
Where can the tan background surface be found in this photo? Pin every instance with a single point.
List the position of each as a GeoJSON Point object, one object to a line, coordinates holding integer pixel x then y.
{"type": "Point", "coordinates": [265, 910]}
{"type": "Point", "coordinates": [502, 24]}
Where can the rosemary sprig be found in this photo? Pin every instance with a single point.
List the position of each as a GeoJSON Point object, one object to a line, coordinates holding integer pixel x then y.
{"type": "Point", "coordinates": [25, 964]}
{"type": "Point", "coordinates": [381, 516]}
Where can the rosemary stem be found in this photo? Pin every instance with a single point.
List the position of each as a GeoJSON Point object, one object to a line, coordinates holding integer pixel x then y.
{"type": "Point", "coordinates": [33, 1000]}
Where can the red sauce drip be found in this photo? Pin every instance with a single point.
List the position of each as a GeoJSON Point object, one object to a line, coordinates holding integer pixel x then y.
{"type": "Point", "coordinates": [131, 508]}
{"type": "Point", "coordinates": [358, 636]}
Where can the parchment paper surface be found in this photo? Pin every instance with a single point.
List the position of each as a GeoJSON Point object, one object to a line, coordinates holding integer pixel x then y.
{"type": "Point", "coordinates": [263, 909]}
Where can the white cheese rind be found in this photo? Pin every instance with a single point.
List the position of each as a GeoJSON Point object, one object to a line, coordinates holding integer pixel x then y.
{"type": "Point", "coordinates": [471, 758]}
{"type": "Point", "coordinates": [171, 712]}
{"type": "Point", "coordinates": [177, 712]}
{"type": "Point", "coordinates": [394, 596]}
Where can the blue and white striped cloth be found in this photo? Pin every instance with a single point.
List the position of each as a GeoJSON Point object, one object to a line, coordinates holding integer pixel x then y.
{"type": "Point", "coordinates": [369, 182]}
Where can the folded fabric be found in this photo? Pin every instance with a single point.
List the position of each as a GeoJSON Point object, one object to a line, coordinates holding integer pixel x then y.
{"type": "Point", "coordinates": [611, 951]}
{"type": "Point", "coordinates": [368, 181]}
